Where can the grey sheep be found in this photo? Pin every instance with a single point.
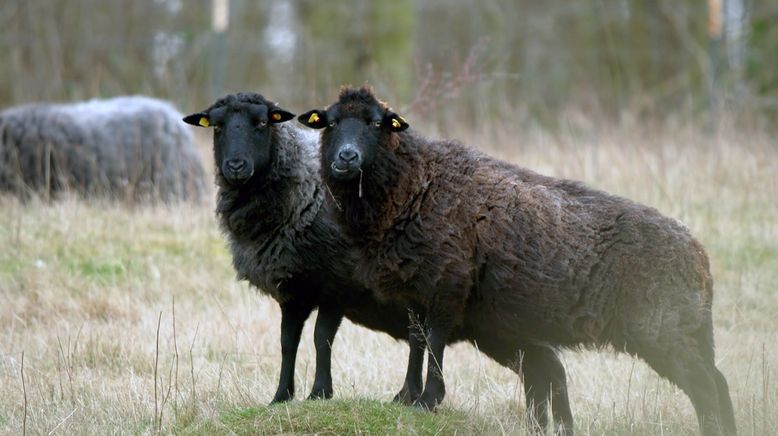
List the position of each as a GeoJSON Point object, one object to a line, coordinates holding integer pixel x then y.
{"type": "Point", "coordinates": [127, 148]}
{"type": "Point", "coordinates": [480, 243]}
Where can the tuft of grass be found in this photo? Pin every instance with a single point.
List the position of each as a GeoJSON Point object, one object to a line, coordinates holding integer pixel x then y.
{"type": "Point", "coordinates": [337, 417]}
{"type": "Point", "coordinates": [100, 270]}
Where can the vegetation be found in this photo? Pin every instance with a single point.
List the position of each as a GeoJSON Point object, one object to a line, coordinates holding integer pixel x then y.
{"type": "Point", "coordinates": [87, 288]}
{"type": "Point", "coordinates": [525, 59]}
{"type": "Point", "coordinates": [338, 417]}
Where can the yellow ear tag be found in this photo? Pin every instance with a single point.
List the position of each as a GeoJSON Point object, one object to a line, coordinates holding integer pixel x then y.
{"type": "Point", "coordinates": [401, 119]}
{"type": "Point", "coordinates": [276, 117]}
{"type": "Point", "coordinates": [314, 118]}
{"type": "Point", "coordinates": [396, 124]}
{"type": "Point", "coordinates": [204, 122]}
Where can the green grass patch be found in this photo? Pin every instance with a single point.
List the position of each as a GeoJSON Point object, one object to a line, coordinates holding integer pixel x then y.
{"type": "Point", "coordinates": [746, 254]}
{"type": "Point", "coordinates": [337, 417]}
{"type": "Point", "coordinates": [12, 265]}
{"type": "Point", "coordinates": [99, 270]}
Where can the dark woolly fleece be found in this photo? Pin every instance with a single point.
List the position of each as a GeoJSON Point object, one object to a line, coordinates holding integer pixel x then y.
{"type": "Point", "coordinates": [284, 241]}
{"type": "Point", "coordinates": [516, 256]}
{"type": "Point", "coordinates": [280, 234]}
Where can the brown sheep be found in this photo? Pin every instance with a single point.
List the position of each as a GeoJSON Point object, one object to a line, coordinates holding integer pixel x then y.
{"type": "Point", "coordinates": [516, 255]}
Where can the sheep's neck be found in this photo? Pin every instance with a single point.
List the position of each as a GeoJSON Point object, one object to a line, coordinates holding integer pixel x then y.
{"type": "Point", "coordinates": [243, 209]}
{"type": "Point", "coordinates": [390, 191]}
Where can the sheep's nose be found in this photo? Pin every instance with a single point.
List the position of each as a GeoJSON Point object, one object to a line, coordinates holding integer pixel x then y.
{"type": "Point", "coordinates": [348, 155]}
{"type": "Point", "coordinates": [236, 164]}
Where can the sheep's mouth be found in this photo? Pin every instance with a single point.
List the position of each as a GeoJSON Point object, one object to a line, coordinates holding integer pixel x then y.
{"type": "Point", "coordinates": [239, 178]}
{"type": "Point", "coordinates": [344, 171]}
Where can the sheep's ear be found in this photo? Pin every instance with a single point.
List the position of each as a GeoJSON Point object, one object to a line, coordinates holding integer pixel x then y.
{"type": "Point", "coordinates": [280, 115]}
{"type": "Point", "coordinates": [315, 119]}
{"type": "Point", "coordinates": [198, 119]}
{"type": "Point", "coordinates": [394, 122]}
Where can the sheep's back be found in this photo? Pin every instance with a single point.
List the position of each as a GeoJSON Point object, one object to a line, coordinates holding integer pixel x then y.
{"type": "Point", "coordinates": [556, 257]}
{"type": "Point", "coordinates": [588, 261]}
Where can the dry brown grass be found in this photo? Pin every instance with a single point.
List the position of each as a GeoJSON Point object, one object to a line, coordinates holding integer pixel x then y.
{"type": "Point", "coordinates": [82, 287]}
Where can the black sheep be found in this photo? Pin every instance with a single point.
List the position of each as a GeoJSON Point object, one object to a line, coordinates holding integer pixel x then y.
{"type": "Point", "coordinates": [271, 206]}
{"type": "Point", "coordinates": [515, 256]}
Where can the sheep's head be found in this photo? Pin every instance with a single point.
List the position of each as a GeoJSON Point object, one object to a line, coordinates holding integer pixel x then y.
{"type": "Point", "coordinates": [242, 134]}
{"type": "Point", "coordinates": [356, 128]}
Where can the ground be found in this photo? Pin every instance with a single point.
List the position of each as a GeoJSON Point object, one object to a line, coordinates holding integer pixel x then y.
{"type": "Point", "coordinates": [128, 318]}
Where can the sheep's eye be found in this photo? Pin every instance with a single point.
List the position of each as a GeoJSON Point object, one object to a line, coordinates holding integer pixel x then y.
{"type": "Point", "coordinates": [262, 123]}
{"type": "Point", "coordinates": [332, 124]}
{"type": "Point", "coordinates": [376, 124]}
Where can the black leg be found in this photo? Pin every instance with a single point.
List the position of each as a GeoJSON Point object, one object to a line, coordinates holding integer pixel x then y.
{"type": "Point", "coordinates": [327, 323]}
{"type": "Point", "coordinates": [435, 388]}
{"type": "Point", "coordinates": [544, 380]}
{"type": "Point", "coordinates": [413, 385]}
{"type": "Point", "coordinates": [725, 402]}
{"type": "Point", "coordinates": [293, 316]}
{"type": "Point", "coordinates": [695, 373]}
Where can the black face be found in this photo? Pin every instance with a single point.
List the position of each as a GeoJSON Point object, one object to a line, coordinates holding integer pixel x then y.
{"type": "Point", "coordinates": [351, 138]}
{"type": "Point", "coordinates": [242, 137]}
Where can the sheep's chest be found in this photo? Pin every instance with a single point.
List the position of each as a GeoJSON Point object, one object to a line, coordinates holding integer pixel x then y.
{"type": "Point", "coordinates": [408, 264]}
{"type": "Point", "coordinates": [265, 265]}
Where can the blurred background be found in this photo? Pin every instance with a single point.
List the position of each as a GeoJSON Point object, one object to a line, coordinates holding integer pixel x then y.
{"type": "Point", "coordinates": [450, 63]}
{"type": "Point", "coordinates": [670, 103]}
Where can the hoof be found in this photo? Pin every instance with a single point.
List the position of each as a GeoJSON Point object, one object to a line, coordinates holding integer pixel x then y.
{"type": "Point", "coordinates": [320, 394]}
{"type": "Point", "coordinates": [281, 397]}
{"type": "Point", "coordinates": [406, 396]}
{"type": "Point", "coordinates": [427, 402]}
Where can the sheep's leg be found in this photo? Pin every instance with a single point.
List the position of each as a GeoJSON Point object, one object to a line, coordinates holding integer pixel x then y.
{"type": "Point", "coordinates": [704, 337]}
{"type": "Point", "coordinates": [697, 377]}
{"type": "Point", "coordinates": [544, 380]}
{"type": "Point", "coordinates": [698, 383]}
{"type": "Point", "coordinates": [725, 401]}
{"type": "Point", "coordinates": [414, 384]}
{"type": "Point", "coordinates": [435, 388]}
{"type": "Point", "coordinates": [293, 316]}
{"type": "Point", "coordinates": [327, 323]}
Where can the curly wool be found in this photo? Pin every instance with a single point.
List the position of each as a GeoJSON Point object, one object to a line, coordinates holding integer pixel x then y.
{"type": "Point", "coordinates": [436, 216]}
{"type": "Point", "coordinates": [280, 232]}
{"type": "Point", "coordinates": [268, 225]}
{"type": "Point", "coordinates": [516, 256]}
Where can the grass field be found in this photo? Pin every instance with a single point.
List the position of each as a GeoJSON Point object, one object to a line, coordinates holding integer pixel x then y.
{"type": "Point", "coordinates": [129, 320]}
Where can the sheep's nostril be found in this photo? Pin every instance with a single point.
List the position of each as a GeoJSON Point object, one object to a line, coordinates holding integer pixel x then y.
{"type": "Point", "coordinates": [236, 164]}
{"type": "Point", "coordinates": [348, 155]}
